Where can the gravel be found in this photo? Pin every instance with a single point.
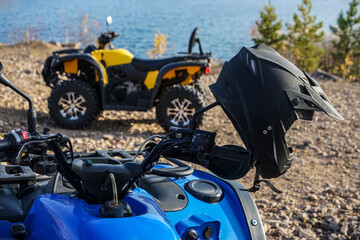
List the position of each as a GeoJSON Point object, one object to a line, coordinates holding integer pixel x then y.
{"type": "Point", "coordinates": [321, 191]}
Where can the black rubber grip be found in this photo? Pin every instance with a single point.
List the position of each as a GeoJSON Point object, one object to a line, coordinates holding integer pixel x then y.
{"type": "Point", "coordinates": [5, 145]}
{"type": "Point", "coordinates": [181, 171]}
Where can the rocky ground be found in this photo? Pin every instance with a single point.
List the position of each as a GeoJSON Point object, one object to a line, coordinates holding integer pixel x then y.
{"type": "Point", "coordinates": [321, 191]}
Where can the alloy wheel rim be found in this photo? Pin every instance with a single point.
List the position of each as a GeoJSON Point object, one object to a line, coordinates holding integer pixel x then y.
{"type": "Point", "coordinates": [72, 105]}
{"type": "Point", "coordinates": [180, 111]}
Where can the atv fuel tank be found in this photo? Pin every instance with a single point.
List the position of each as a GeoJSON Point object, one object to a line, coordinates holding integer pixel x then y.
{"type": "Point", "coordinates": [113, 57]}
{"type": "Point", "coordinates": [54, 216]}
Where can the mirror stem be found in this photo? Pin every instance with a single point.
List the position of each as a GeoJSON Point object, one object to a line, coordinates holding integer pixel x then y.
{"type": "Point", "coordinates": [192, 123]}
{"type": "Point", "coordinates": [32, 120]}
{"type": "Point", "coordinates": [31, 113]}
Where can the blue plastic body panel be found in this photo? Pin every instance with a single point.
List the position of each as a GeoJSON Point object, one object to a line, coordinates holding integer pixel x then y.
{"type": "Point", "coordinates": [228, 212]}
{"type": "Point", "coordinates": [61, 217]}
{"type": "Point", "coordinates": [54, 216]}
{"type": "Point", "coordinates": [5, 230]}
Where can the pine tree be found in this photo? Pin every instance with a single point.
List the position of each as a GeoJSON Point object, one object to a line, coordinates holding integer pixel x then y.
{"type": "Point", "coordinates": [304, 38]}
{"type": "Point", "coordinates": [268, 29]}
{"type": "Point", "coordinates": [347, 54]}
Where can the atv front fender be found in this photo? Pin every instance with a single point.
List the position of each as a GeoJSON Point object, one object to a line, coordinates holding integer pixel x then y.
{"type": "Point", "coordinates": [56, 63]}
{"type": "Point", "coordinates": [249, 208]}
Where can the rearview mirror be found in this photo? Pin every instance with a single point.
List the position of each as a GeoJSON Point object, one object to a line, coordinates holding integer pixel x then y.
{"type": "Point", "coordinates": [109, 20]}
{"type": "Point", "coordinates": [1, 66]}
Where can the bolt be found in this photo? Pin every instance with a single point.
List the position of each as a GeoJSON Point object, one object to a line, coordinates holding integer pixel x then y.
{"type": "Point", "coordinates": [269, 128]}
{"type": "Point", "coordinates": [178, 135]}
{"type": "Point", "coordinates": [253, 222]}
{"type": "Point", "coordinates": [144, 154]}
{"type": "Point", "coordinates": [264, 132]}
{"type": "Point", "coordinates": [153, 164]}
{"type": "Point", "coordinates": [208, 232]}
{"type": "Point", "coordinates": [191, 235]}
{"type": "Point", "coordinates": [296, 101]}
{"type": "Point", "coordinates": [46, 130]}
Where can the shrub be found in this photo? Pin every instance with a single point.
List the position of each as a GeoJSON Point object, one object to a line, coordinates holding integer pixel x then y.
{"type": "Point", "coordinates": [304, 38]}
{"type": "Point", "coordinates": [347, 44]}
{"type": "Point", "coordinates": [160, 45]}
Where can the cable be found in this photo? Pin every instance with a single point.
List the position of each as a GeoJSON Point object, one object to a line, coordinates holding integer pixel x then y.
{"type": "Point", "coordinates": [148, 139]}
{"type": "Point", "coordinates": [154, 155]}
{"type": "Point", "coordinates": [71, 150]}
{"type": "Point", "coordinates": [158, 150]}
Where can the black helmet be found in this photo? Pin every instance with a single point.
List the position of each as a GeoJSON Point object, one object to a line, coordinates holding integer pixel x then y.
{"type": "Point", "coordinates": [263, 94]}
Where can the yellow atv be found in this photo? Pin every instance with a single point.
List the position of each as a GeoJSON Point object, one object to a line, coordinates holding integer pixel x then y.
{"type": "Point", "coordinates": [86, 81]}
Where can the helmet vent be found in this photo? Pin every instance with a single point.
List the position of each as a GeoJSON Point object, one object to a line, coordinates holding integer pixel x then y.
{"type": "Point", "coordinates": [323, 97]}
{"type": "Point", "coordinates": [251, 65]}
{"type": "Point", "coordinates": [304, 90]}
{"type": "Point", "coordinates": [312, 81]}
{"type": "Point", "coordinates": [304, 79]}
{"type": "Point", "coordinates": [309, 104]}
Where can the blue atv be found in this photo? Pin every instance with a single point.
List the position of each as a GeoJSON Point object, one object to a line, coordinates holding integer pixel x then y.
{"type": "Point", "coordinates": [47, 191]}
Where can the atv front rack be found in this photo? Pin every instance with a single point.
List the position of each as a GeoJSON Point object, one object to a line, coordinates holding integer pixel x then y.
{"type": "Point", "coordinates": [107, 156]}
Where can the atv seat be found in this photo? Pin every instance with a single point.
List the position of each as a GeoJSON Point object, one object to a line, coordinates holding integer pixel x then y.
{"type": "Point", "coordinates": [154, 64]}
{"type": "Point", "coordinates": [67, 51]}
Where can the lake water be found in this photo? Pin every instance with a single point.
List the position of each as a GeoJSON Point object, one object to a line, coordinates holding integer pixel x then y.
{"type": "Point", "coordinates": [224, 25]}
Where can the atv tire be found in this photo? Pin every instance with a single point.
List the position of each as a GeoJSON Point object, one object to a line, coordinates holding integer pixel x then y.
{"type": "Point", "coordinates": [177, 105]}
{"type": "Point", "coordinates": [73, 104]}
{"type": "Point", "coordinates": [202, 90]}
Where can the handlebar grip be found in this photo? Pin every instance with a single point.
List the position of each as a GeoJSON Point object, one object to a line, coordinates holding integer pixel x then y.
{"type": "Point", "coordinates": [5, 145]}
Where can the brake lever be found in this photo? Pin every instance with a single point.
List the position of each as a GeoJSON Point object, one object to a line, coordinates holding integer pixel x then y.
{"type": "Point", "coordinates": [40, 140]}
{"type": "Point", "coordinates": [197, 149]}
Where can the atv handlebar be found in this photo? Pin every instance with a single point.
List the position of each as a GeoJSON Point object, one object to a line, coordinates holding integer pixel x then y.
{"type": "Point", "coordinates": [106, 38]}
{"type": "Point", "coordinates": [13, 140]}
{"type": "Point", "coordinates": [16, 143]}
{"type": "Point", "coordinates": [197, 146]}
{"type": "Point", "coordinates": [229, 161]}
{"type": "Point", "coordinates": [5, 145]}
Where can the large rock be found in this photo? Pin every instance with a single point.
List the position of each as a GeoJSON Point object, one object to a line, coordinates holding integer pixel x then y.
{"type": "Point", "coordinates": [322, 75]}
{"type": "Point", "coordinates": [305, 233]}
